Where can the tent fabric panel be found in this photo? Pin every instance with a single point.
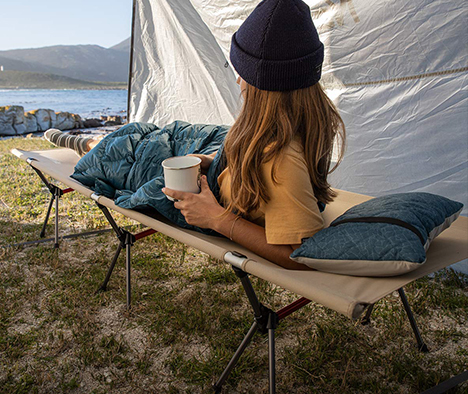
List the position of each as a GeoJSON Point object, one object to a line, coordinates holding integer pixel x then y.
{"type": "Point", "coordinates": [380, 40]}
{"type": "Point", "coordinates": [422, 146]}
{"type": "Point", "coordinates": [179, 72]}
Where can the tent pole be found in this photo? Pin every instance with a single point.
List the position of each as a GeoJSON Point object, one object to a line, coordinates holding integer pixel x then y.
{"type": "Point", "coordinates": [130, 68]}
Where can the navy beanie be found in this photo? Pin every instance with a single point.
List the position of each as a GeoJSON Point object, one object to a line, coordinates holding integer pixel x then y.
{"type": "Point", "coordinates": [277, 48]}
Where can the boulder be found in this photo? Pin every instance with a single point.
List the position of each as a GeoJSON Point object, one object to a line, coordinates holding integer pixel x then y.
{"type": "Point", "coordinates": [92, 123]}
{"type": "Point", "coordinates": [12, 120]}
{"type": "Point", "coordinates": [64, 121]}
{"type": "Point", "coordinates": [78, 121]}
{"type": "Point", "coordinates": [113, 121]}
{"type": "Point", "coordinates": [20, 128]}
{"type": "Point", "coordinates": [6, 124]}
{"type": "Point", "coordinates": [45, 118]}
{"type": "Point", "coordinates": [30, 122]}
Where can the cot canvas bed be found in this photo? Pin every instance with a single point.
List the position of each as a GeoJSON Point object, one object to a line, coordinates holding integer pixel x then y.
{"type": "Point", "coordinates": [349, 295]}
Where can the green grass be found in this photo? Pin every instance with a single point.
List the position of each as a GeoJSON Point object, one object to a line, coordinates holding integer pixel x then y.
{"type": "Point", "coordinates": [189, 314]}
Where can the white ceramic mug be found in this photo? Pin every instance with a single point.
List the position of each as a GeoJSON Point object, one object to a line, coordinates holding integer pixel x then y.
{"type": "Point", "coordinates": [182, 173]}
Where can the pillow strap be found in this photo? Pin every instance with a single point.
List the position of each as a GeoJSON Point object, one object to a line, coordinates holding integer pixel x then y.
{"type": "Point", "coordinates": [394, 221]}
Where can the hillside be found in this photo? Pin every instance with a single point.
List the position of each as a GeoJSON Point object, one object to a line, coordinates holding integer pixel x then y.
{"type": "Point", "coordinates": [34, 80]}
{"type": "Point", "coordinates": [123, 46]}
{"type": "Point", "coordinates": [82, 62]}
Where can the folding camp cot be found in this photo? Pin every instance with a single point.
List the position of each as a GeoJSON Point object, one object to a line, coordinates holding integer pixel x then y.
{"type": "Point", "coordinates": [345, 294]}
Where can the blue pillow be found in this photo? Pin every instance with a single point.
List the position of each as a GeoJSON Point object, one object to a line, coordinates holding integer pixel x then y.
{"type": "Point", "coordinates": [384, 236]}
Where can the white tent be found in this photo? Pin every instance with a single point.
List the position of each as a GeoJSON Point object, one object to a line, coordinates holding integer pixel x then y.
{"type": "Point", "coordinates": [397, 71]}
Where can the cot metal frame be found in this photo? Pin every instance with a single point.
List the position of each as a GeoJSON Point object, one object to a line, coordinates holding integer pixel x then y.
{"type": "Point", "coordinates": [266, 321]}
{"type": "Point", "coordinates": [125, 238]}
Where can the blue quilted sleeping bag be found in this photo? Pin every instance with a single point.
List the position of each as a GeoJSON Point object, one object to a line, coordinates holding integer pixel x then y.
{"type": "Point", "coordinates": [126, 165]}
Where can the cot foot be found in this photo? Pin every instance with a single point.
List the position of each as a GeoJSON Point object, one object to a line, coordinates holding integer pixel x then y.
{"type": "Point", "coordinates": [423, 348]}
{"type": "Point", "coordinates": [101, 289]}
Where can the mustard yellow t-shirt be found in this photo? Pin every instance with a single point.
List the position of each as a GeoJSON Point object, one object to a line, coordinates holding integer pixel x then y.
{"type": "Point", "coordinates": [292, 212]}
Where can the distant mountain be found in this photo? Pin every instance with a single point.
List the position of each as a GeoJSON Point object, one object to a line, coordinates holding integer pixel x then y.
{"type": "Point", "coordinates": [33, 80]}
{"type": "Point", "coordinates": [11, 64]}
{"type": "Point", "coordinates": [123, 46]}
{"type": "Point", "coordinates": [83, 62]}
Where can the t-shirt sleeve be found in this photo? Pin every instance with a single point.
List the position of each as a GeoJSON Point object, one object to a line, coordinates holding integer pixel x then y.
{"type": "Point", "coordinates": [292, 212]}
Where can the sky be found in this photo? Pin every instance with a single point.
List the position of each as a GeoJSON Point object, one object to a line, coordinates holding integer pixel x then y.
{"type": "Point", "coordinates": [38, 23]}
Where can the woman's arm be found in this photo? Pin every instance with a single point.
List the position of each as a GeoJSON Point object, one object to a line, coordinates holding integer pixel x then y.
{"type": "Point", "coordinates": [204, 211]}
{"type": "Point", "coordinates": [253, 238]}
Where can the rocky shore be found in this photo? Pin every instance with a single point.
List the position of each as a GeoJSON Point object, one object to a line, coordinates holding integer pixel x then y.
{"type": "Point", "coordinates": [14, 121]}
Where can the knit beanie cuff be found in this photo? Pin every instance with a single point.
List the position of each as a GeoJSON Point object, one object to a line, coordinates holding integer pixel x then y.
{"type": "Point", "coordinates": [277, 75]}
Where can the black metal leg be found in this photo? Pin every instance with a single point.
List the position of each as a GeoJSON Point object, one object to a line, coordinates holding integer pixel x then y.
{"type": "Point", "coordinates": [227, 371]}
{"type": "Point", "coordinates": [57, 197]}
{"type": "Point", "coordinates": [128, 246]}
{"type": "Point", "coordinates": [51, 202]}
{"type": "Point", "coordinates": [266, 321]}
{"type": "Point", "coordinates": [103, 287]}
{"type": "Point", "coordinates": [272, 322]}
{"type": "Point", "coordinates": [421, 345]}
{"type": "Point", "coordinates": [119, 233]}
{"type": "Point", "coordinates": [366, 319]}
{"type": "Point", "coordinates": [250, 292]}
{"type": "Point", "coordinates": [126, 240]}
{"type": "Point", "coordinates": [56, 193]}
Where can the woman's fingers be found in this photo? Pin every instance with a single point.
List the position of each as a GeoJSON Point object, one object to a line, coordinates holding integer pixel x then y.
{"type": "Point", "coordinates": [204, 184]}
{"type": "Point", "coordinates": [175, 194]}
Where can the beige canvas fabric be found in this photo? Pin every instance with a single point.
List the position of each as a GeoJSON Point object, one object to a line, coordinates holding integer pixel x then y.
{"type": "Point", "coordinates": [345, 294]}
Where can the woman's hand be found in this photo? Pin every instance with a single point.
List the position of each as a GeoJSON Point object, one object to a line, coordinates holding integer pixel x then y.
{"type": "Point", "coordinates": [201, 210]}
{"type": "Point", "coordinates": [206, 161]}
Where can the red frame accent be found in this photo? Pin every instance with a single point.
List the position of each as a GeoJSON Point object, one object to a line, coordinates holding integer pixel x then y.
{"type": "Point", "coordinates": [144, 234]}
{"type": "Point", "coordinates": [293, 307]}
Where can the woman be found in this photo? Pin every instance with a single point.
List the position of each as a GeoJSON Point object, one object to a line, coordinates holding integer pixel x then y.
{"type": "Point", "coordinates": [278, 151]}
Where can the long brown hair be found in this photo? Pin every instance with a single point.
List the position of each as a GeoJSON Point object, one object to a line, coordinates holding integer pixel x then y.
{"type": "Point", "coordinates": [273, 120]}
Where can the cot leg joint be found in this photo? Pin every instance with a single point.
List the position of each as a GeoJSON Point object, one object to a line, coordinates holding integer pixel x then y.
{"type": "Point", "coordinates": [126, 238]}
{"type": "Point", "coordinates": [267, 321]}
{"type": "Point", "coordinates": [239, 273]}
{"type": "Point", "coordinates": [421, 345]}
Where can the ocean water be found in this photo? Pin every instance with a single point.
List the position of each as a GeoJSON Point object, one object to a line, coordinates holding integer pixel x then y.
{"type": "Point", "coordinates": [87, 103]}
